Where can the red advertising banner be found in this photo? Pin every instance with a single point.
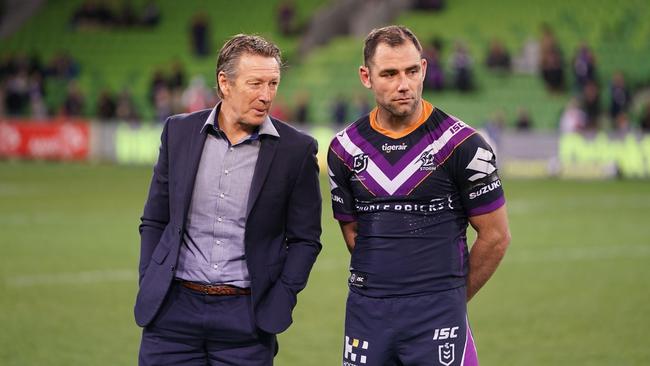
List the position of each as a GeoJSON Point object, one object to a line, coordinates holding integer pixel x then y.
{"type": "Point", "coordinates": [55, 139]}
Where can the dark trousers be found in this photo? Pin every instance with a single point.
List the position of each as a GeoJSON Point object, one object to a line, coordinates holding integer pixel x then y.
{"type": "Point", "coordinates": [196, 329]}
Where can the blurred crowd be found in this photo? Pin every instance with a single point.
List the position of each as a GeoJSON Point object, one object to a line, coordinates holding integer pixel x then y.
{"type": "Point", "coordinates": [93, 14]}
{"type": "Point", "coordinates": [32, 87]}
{"type": "Point", "coordinates": [585, 111]}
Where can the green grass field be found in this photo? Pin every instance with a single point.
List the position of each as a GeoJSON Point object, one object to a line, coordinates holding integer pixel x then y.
{"type": "Point", "coordinates": [574, 288]}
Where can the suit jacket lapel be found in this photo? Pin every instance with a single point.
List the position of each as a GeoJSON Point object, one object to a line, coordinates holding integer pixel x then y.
{"type": "Point", "coordinates": [192, 159]}
{"type": "Point", "coordinates": [264, 160]}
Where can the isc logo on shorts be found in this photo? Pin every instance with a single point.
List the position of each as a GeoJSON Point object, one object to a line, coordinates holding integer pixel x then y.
{"type": "Point", "coordinates": [445, 333]}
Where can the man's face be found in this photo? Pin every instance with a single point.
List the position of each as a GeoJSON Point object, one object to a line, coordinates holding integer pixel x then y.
{"type": "Point", "coordinates": [252, 90]}
{"type": "Point", "coordinates": [395, 75]}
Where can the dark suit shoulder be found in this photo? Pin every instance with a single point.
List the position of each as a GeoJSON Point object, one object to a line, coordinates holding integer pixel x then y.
{"type": "Point", "coordinates": [198, 116]}
{"type": "Point", "coordinates": [290, 134]}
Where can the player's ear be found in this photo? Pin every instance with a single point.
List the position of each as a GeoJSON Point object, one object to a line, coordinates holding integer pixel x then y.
{"type": "Point", "coordinates": [423, 65]}
{"type": "Point", "coordinates": [364, 76]}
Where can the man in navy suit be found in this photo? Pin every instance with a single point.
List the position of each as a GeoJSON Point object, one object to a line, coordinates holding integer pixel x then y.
{"type": "Point", "coordinates": [231, 227]}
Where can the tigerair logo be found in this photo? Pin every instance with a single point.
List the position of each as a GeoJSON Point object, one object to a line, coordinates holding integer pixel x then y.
{"type": "Point", "coordinates": [354, 349]}
{"type": "Point", "coordinates": [390, 148]}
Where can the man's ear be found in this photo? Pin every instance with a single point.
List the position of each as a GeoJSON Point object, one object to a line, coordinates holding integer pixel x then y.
{"type": "Point", "coordinates": [423, 65]}
{"type": "Point", "coordinates": [224, 84]}
{"type": "Point", "coordinates": [364, 76]}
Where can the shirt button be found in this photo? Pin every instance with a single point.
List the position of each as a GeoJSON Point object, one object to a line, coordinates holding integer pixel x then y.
{"type": "Point", "coordinates": [226, 171]}
{"type": "Point", "coordinates": [231, 149]}
{"type": "Point", "coordinates": [215, 266]}
{"type": "Point", "coordinates": [219, 219]}
{"type": "Point", "coordinates": [222, 195]}
{"type": "Point", "coordinates": [218, 242]}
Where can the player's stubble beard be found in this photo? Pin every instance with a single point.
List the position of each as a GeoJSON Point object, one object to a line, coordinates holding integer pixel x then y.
{"type": "Point", "coordinates": [400, 115]}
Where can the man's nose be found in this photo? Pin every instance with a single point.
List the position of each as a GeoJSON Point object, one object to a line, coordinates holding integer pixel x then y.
{"type": "Point", "coordinates": [266, 94]}
{"type": "Point", "coordinates": [403, 83]}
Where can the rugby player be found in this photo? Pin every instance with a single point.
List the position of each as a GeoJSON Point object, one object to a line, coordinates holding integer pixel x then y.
{"type": "Point", "coordinates": [406, 180]}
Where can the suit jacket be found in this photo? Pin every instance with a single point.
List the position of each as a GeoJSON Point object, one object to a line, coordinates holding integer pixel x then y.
{"type": "Point", "coordinates": [282, 234]}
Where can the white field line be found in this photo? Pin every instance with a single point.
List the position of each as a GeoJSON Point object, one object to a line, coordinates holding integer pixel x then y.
{"type": "Point", "coordinates": [116, 275]}
{"type": "Point", "coordinates": [575, 253]}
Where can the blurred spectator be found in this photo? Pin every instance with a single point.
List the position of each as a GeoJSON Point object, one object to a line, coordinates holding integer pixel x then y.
{"type": "Point", "coordinates": [106, 105]}
{"type": "Point", "coordinates": [435, 5]}
{"type": "Point", "coordinates": [177, 78]}
{"type": "Point", "coordinates": [573, 118]}
{"type": "Point", "coordinates": [591, 105]}
{"type": "Point", "coordinates": [94, 14]}
{"type": "Point", "coordinates": [150, 14]}
{"type": "Point", "coordinates": [73, 106]}
{"type": "Point", "coordinates": [200, 31]}
{"type": "Point", "coordinates": [584, 66]}
{"type": "Point", "coordinates": [551, 61]}
{"type": "Point", "coordinates": [197, 96]}
{"type": "Point", "coordinates": [462, 69]}
{"type": "Point", "coordinates": [644, 119]}
{"type": "Point", "coordinates": [302, 115]}
{"type": "Point", "coordinates": [523, 121]}
{"type": "Point", "coordinates": [163, 104]}
{"type": "Point", "coordinates": [37, 107]}
{"type": "Point", "coordinates": [125, 109]}
{"type": "Point", "coordinates": [620, 96]}
{"type": "Point", "coordinates": [127, 17]}
{"type": "Point", "coordinates": [17, 93]}
{"type": "Point", "coordinates": [157, 81]}
{"type": "Point", "coordinates": [435, 77]}
{"type": "Point", "coordinates": [63, 66]}
{"type": "Point", "coordinates": [498, 58]}
{"type": "Point", "coordinates": [286, 17]}
{"type": "Point", "coordinates": [340, 110]}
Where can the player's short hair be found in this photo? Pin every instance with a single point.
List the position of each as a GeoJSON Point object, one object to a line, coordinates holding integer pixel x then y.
{"type": "Point", "coordinates": [392, 35]}
{"type": "Point", "coordinates": [238, 45]}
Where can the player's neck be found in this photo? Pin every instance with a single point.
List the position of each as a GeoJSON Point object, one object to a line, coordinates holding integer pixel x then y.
{"type": "Point", "coordinates": [397, 124]}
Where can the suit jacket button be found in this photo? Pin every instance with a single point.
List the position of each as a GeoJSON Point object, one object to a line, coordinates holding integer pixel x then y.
{"type": "Point", "coordinates": [173, 268]}
{"type": "Point", "coordinates": [179, 230]}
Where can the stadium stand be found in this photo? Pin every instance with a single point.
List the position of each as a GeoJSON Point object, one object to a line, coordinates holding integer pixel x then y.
{"type": "Point", "coordinates": [126, 58]}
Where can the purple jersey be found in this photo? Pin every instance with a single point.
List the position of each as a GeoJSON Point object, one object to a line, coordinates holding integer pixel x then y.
{"type": "Point", "coordinates": [411, 197]}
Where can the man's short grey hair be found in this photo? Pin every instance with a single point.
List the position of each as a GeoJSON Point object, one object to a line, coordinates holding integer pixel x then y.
{"type": "Point", "coordinates": [238, 45]}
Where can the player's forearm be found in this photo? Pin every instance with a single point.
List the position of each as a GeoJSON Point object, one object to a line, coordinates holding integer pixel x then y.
{"type": "Point", "coordinates": [349, 230]}
{"type": "Point", "coordinates": [484, 258]}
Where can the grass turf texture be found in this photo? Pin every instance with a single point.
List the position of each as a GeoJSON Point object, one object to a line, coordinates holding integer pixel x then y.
{"type": "Point", "coordinates": [572, 290]}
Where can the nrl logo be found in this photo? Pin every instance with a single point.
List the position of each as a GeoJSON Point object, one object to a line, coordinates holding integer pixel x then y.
{"type": "Point", "coordinates": [427, 160]}
{"type": "Point", "coordinates": [446, 354]}
{"type": "Point", "coordinates": [360, 163]}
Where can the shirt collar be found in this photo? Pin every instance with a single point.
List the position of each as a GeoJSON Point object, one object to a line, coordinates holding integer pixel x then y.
{"type": "Point", "coordinates": [266, 128]}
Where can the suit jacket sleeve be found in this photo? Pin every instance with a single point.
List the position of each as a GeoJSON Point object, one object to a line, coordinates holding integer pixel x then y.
{"type": "Point", "coordinates": [303, 228]}
{"type": "Point", "coordinates": [156, 210]}
{"type": "Point", "coordinates": [302, 238]}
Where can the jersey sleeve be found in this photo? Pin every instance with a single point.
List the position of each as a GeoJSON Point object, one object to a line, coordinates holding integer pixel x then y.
{"type": "Point", "coordinates": [476, 176]}
{"type": "Point", "coordinates": [339, 178]}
